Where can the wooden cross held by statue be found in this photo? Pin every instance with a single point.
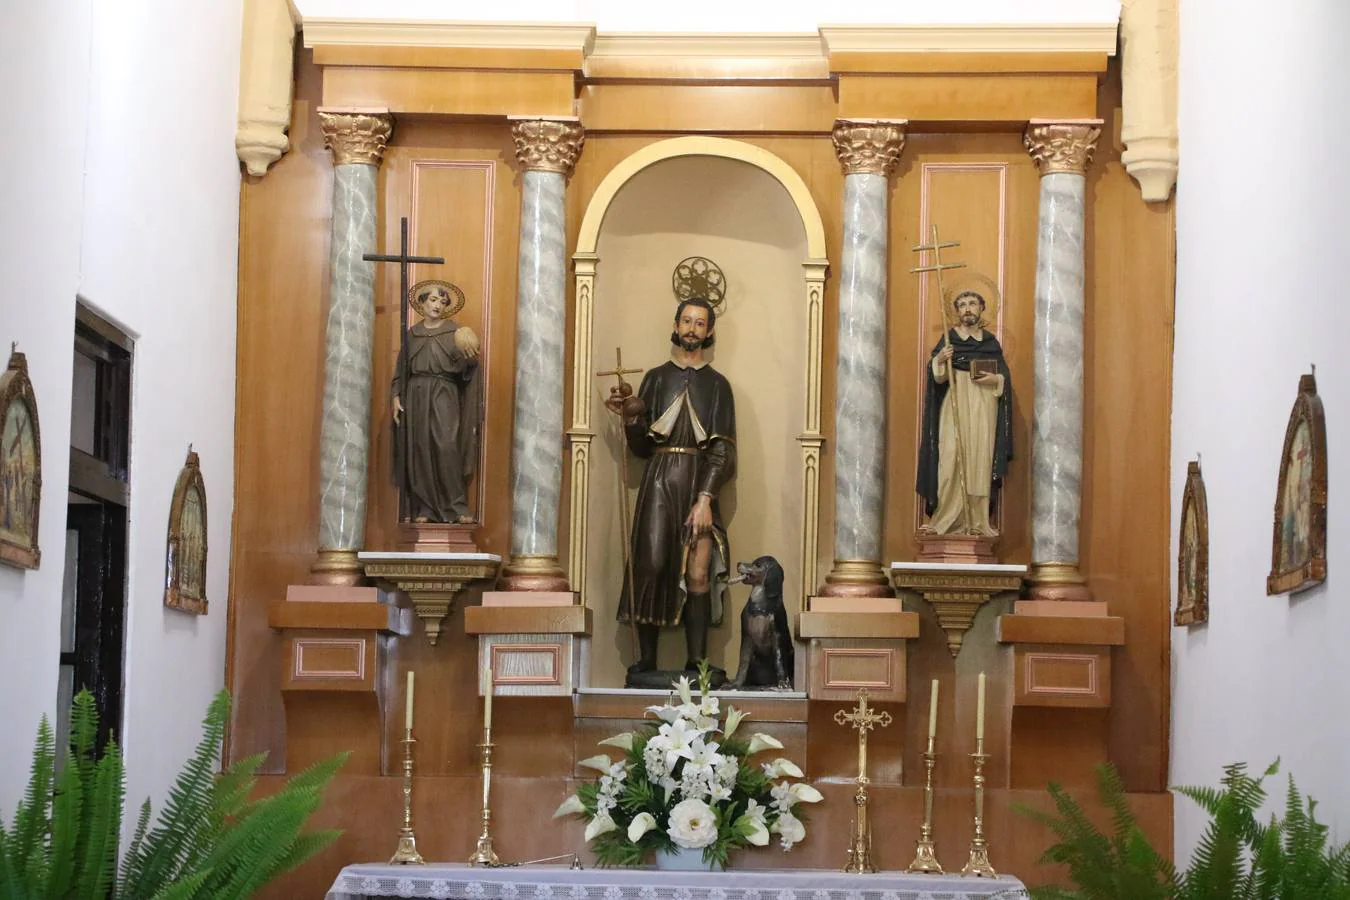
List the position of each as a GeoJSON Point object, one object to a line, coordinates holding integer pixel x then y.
{"type": "Point", "coordinates": [937, 268]}
{"type": "Point", "coordinates": [864, 719]}
{"type": "Point", "coordinates": [618, 372]}
{"type": "Point", "coordinates": [404, 260]}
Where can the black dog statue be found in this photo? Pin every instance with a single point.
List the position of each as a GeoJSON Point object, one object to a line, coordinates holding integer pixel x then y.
{"type": "Point", "coordinates": [767, 656]}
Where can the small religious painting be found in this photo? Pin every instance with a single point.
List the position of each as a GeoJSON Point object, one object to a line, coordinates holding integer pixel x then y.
{"type": "Point", "coordinates": [1193, 552]}
{"type": "Point", "coordinates": [20, 466]}
{"type": "Point", "coordinates": [1299, 544]}
{"type": "Point", "coordinates": [185, 573]}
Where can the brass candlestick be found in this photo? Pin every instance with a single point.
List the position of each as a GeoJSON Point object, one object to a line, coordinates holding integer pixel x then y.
{"type": "Point", "coordinates": [406, 854]}
{"type": "Point", "coordinates": [925, 857]}
{"type": "Point", "coordinates": [978, 864]}
{"type": "Point", "coordinates": [484, 855]}
{"type": "Point", "coordinates": [864, 720]}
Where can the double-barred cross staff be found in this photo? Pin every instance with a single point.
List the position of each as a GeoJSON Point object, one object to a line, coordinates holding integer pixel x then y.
{"type": "Point", "coordinates": [937, 268]}
{"type": "Point", "coordinates": [404, 260]}
{"type": "Point", "coordinates": [618, 372]}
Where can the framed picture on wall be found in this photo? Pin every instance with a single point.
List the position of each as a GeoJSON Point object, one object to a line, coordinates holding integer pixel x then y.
{"type": "Point", "coordinates": [1299, 545]}
{"type": "Point", "coordinates": [1193, 551]}
{"type": "Point", "coordinates": [185, 568]}
{"type": "Point", "coordinates": [20, 466]}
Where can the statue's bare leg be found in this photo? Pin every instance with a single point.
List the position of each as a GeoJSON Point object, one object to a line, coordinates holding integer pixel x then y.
{"type": "Point", "coordinates": [698, 602]}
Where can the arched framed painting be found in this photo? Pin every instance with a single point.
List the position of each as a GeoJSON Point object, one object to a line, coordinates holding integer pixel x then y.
{"type": "Point", "coordinates": [1193, 551]}
{"type": "Point", "coordinates": [185, 568]}
{"type": "Point", "coordinates": [1299, 544]}
{"type": "Point", "coordinates": [20, 466]}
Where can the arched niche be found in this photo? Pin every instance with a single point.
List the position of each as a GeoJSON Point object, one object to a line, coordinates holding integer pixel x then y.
{"type": "Point", "coordinates": [747, 209]}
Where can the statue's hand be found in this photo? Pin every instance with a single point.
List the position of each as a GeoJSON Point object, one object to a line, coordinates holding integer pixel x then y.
{"type": "Point", "coordinates": [988, 380]}
{"type": "Point", "coordinates": [621, 402]}
{"type": "Point", "coordinates": [945, 354]}
{"type": "Point", "coordinates": [398, 409]}
{"type": "Point", "coordinates": [699, 522]}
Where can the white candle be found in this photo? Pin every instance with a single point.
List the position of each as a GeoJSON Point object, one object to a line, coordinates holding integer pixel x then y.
{"type": "Point", "coordinates": [932, 712]}
{"type": "Point", "coordinates": [407, 710]}
{"type": "Point", "coordinates": [979, 712]}
{"type": "Point", "coordinates": [487, 696]}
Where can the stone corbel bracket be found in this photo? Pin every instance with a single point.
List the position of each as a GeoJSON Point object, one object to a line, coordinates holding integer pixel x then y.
{"type": "Point", "coordinates": [432, 581]}
{"type": "Point", "coordinates": [266, 79]}
{"type": "Point", "coordinates": [957, 590]}
{"type": "Point", "coordinates": [1149, 45]}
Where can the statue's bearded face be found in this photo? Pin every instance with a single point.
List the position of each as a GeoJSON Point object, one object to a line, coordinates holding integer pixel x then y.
{"type": "Point", "coordinates": [969, 309]}
{"type": "Point", "coordinates": [692, 327]}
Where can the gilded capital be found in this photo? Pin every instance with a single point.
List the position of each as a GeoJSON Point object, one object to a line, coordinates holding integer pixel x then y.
{"type": "Point", "coordinates": [548, 145]}
{"type": "Point", "coordinates": [1062, 146]}
{"type": "Point", "coordinates": [356, 137]}
{"type": "Point", "coordinates": [868, 146]}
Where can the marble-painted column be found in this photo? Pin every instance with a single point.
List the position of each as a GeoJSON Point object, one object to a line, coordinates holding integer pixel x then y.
{"type": "Point", "coordinates": [357, 140]}
{"type": "Point", "coordinates": [868, 151]}
{"type": "Point", "coordinates": [1062, 151]}
{"type": "Point", "coordinates": [546, 149]}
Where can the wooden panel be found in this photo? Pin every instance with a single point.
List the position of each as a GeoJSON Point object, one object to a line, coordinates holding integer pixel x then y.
{"type": "Point", "coordinates": [1108, 630]}
{"type": "Point", "coordinates": [599, 66]}
{"type": "Point", "coordinates": [450, 92]}
{"type": "Point", "coordinates": [765, 708]}
{"type": "Point", "coordinates": [316, 659]}
{"type": "Point", "coordinates": [973, 98]}
{"type": "Point", "coordinates": [897, 625]}
{"type": "Point", "coordinates": [880, 62]}
{"type": "Point", "coordinates": [708, 108]}
{"type": "Point", "coordinates": [527, 619]}
{"type": "Point", "coordinates": [357, 616]}
{"type": "Point", "coordinates": [531, 665]}
{"type": "Point", "coordinates": [837, 668]}
{"type": "Point", "coordinates": [1063, 676]}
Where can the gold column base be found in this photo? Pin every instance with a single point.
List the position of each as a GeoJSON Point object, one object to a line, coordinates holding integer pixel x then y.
{"type": "Point", "coordinates": [856, 578]}
{"type": "Point", "coordinates": [978, 865]}
{"type": "Point", "coordinates": [1056, 581]}
{"type": "Point", "coordinates": [533, 573]}
{"type": "Point", "coordinates": [337, 568]}
{"type": "Point", "coordinates": [406, 854]}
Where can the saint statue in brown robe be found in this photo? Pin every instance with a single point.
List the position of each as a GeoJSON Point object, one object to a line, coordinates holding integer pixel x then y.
{"type": "Point", "coordinates": [683, 422]}
{"type": "Point", "coordinates": [438, 411]}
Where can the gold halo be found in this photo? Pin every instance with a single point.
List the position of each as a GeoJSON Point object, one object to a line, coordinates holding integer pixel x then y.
{"type": "Point", "coordinates": [698, 276]}
{"type": "Point", "coordinates": [417, 300]}
{"type": "Point", "coordinates": [970, 280]}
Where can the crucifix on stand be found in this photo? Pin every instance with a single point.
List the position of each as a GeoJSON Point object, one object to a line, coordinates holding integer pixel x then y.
{"type": "Point", "coordinates": [404, 260]}
{"type": "Point", "coordinates": [864, 719]}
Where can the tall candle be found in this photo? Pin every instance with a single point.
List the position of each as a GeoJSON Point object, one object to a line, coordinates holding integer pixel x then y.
{"type": "Point", "coordinates": [932, 712]}
{"type": "Point", "coordinates": [407, 710]}
{"type": "Point", "coordinates": [979, 712]}
{"type": "Point", "coordinates": [487, 696]}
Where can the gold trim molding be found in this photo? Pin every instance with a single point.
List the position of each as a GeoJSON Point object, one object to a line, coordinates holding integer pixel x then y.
{"type": "Point", "coordinates": [868, 146]}
{"type": "Point", "coordinates": [356, 137]}
{"type": "Point", "coordinates": [586, 262]}
{"type": "Point", "coordinates": [1062, 146]}
{"type": "Point", "coordinates": [547, 145]}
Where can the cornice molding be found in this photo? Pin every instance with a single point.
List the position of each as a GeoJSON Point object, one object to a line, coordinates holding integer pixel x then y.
{"type": "Point", "coordinates": [707, 46]}
{"type": "Point", "coordinates": [322, 31]}
{"type": "Point", "coordinates": [1068, 37]}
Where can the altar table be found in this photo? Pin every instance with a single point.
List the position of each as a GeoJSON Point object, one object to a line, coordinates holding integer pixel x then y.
{"type": "Point", "coordinates": [458, 881]}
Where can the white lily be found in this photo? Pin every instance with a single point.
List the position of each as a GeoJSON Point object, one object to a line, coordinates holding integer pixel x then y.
{"type": "Point", "coordinates": [804, 793]}
{"type": "Point", "coordinates": [570, 806]}
{"type": "Point", "coordinates": [623, 741]}
{"type": "Point", "coordinates": [686, 694]}
{"type": "Point", "coordinates": [790, 828]}
{"type": "Point", "coordinates": [641, 824]}
{"type": "Point", "coordinates": [665, 713]}
{"type": "Point", "coordinates": [601, 824]}
{"type": "Point", "coordinates": [600, 763]}
{"type": "Point", "coordinates": [681, 736]}
{"type": "Point", "coordinates": [734, 717]}
{"type": "Point", "coordinates": [752, 823]}
{"type": "Point", "coordinates": [759, 742]}
{"type": "Point", "coordinates": [780, 767]}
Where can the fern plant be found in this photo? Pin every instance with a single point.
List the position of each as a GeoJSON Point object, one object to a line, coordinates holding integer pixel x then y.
{"type": "Point", "coordinates": [1238, 857]}
{"type": "Point", "coordinates": [211, 841]}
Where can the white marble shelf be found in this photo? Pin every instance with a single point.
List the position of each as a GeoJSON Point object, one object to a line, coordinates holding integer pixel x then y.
{"type": "Point", "coordinates": [971, 568]}
{"type": "Point", "coordinates": [401, 556]}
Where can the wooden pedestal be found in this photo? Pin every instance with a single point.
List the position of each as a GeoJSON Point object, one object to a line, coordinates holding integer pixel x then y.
{"type": "Point", "coordinates": [530, 640]}
{"type": "Point", "coordinates": [849, 650]}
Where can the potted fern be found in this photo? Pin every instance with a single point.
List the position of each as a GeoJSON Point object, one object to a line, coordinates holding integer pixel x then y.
{"type": "Point", "coordinates": [210, 842]}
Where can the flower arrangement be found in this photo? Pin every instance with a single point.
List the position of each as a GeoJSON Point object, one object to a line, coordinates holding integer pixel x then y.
{"type": "Point", "coordinates": [687, 783]}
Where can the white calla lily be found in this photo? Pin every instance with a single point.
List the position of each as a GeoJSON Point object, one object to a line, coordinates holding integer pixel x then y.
{"type": "Point", "coordinates": [791, 829]}
{"type": "Point", "coordinates": [734, 717]}
{"type": "Point", "coordinates": [600, 763]}
{"type": "Point", "coordinates": [665, 713]}
{"type": "Point", "coordinates": [623, 741]}
{"type": "Point", "coordinates": [601, 824]}
{"type": "Point", "coordinates": [759, 742]}
{"type": "Point", "coordinates": [686, 694]}
{"type": "Point", "coordinates": [641, 824]}
{"type": "Point", "coordinates": [782, 767]}
{"type": "Point", "coordinates": [804, 793]}
{"type": "Point", "coordinates": [570, 806]}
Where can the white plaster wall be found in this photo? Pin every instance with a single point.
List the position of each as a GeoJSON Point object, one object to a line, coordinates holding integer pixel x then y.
{"type": "Point", "coordinates": [125, 190]}
{"type": "Point", "coordinates": [1261, 234]}
{"type": "Point", "coordinates": [44, 56]}
{"type": "Point", "coordinates": [723, 16]}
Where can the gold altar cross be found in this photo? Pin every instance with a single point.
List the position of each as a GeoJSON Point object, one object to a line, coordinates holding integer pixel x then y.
{"type": "Point", "coordinates": [863, 718]}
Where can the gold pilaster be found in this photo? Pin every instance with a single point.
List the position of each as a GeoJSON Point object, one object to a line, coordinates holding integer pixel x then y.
{"type": "Point", "coordinates": [356, 137]}
{"type": "Point", "coordinates": [1062, 146]}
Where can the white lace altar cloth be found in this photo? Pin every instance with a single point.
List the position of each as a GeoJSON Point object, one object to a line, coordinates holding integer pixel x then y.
{"type": "Point", "coordinates": [457, 881]}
